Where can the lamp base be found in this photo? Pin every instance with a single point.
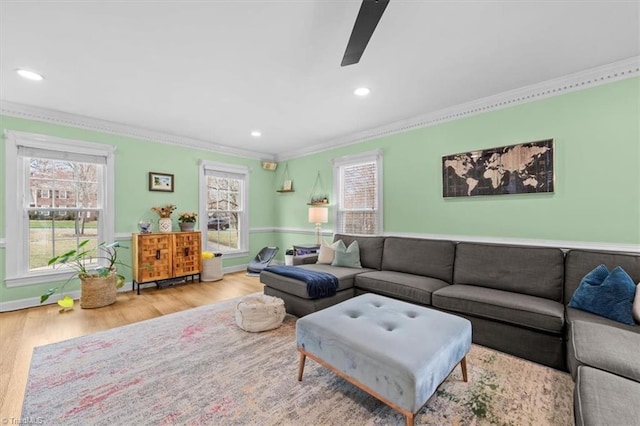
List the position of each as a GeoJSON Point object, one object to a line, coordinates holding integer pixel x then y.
{"type": "Point", "coordinates": [318, 232]}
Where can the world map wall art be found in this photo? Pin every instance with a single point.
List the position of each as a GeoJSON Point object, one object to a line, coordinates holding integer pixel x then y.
{"type": "Point", "coordinates": [515, 169]}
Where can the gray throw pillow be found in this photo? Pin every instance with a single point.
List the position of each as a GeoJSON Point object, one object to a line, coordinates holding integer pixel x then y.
{"type": "Point", "coordinates": [348, 257]}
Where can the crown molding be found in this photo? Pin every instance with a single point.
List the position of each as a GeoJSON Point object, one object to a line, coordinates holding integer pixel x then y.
{"type": "Point", "coordinates": [593, 77]}
{"type": "Point", "coordinates": [29, 112]}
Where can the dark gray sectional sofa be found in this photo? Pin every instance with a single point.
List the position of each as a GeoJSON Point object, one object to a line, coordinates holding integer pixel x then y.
{"type": "Point", "coordinates": [516, 299]}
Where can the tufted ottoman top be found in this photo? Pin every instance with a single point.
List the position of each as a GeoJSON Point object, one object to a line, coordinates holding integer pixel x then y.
{"type": "Point", "coordinates": [399, 350]}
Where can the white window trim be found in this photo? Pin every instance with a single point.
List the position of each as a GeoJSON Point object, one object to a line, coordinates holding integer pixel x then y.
{"type": "Point", "coordinates": [16, 255]}
{"type": "Point", "coordinates": [363, 157]}
{"type": "Point", "coordinates": [244, 218]}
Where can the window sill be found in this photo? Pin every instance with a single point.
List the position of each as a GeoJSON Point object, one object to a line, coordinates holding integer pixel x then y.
{"type": "Point", "coordinates": [39, 278]}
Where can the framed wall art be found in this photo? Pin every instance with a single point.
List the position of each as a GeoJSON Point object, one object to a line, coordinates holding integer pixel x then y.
{"type": "Point", "coordinates": [525, 168]}
{"type": "Point", "coordinates": [160, 182]}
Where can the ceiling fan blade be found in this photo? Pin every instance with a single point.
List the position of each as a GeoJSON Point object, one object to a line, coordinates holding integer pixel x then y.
{"type": "Point", "coordinates": [368, 17]}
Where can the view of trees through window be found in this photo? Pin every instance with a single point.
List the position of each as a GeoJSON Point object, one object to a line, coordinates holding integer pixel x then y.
{"type": "Point", "coordinates": [224, 205]}
{"type": "Point", "coordinates": [63, 207]}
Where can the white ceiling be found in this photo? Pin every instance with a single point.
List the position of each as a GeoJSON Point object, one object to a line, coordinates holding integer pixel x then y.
{"type": "Point", "coordinates": [216, 70]}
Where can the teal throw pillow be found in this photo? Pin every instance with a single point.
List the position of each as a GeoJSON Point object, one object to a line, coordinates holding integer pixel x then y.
{"type": "Point", "coordinates": [609, 295]}
{"type": "Point", "coordinates": [347, 256]}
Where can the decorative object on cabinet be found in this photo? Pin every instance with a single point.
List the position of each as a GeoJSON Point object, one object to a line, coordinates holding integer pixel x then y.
{"type": "Point", "coordinates": [287, 185]}
{"type": "Point", "coordinates": [145, 226]}
{"type": "Point", "coordinates": [525, 168]}
{"type": "Point", "coordinates": [98, 286]}
{"type": "Point", "coordinates": [318, 196]}
{"type": "Point", "coordinates": [187, 221]}
{"type": "Point", "coordinates": [161, 258]}
{"type": "Point", "coordinates": [318, 215]}
{"type": "Point", "coordinates": [160, 182]}
{"type": "Point", "coordinates": [165, 224]}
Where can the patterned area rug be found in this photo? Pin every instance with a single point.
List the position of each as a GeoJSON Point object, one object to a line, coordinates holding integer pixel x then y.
{"type": "Point", "coordinates": [197, 367]}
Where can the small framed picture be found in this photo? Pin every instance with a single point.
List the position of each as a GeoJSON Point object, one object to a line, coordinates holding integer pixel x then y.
{"type": "Point", "coordinates": [287, 185]}
{"type": "Point", "coordinates": [160, 182]}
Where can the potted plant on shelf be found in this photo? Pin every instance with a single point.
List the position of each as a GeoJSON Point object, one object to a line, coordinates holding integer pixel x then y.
{"type": "Point", "coordinates": [98, 287]}
{"type": "Point", "coordinates": [187, 221]}
{"type": "Point", "coordinates": [164, 223]}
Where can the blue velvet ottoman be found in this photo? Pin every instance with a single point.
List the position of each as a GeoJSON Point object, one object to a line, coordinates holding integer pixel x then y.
{"type": "Point", "coordinates": [395, 351]}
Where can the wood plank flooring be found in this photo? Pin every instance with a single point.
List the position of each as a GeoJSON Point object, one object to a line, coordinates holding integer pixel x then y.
{"type": "Point", "coordinates": [21, 331]}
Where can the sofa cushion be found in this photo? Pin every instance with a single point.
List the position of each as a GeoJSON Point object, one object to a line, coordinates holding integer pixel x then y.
{"type": "Point", "coordinates": [606, 348]}
{"type": "Point", "coordinates": [532, 271]}
{"type": "Point", "coordinates": [409, 287]}
{"type": "Point", "coordinates": [512, 308]}
{"type": "Point", "coordinates": [430, 258]}
{"type": "Point", "coordinates": [578, 263]}
{"type": "Point", "coordinates": [572, 314]}
{"type": "Point", "coordinates": [601, 398]}
{"type": "Point", "coordinates": [370, 249]}
{"type": "Point", "coordinates": [348, 257]}
{"type": "Point", "coordinates": [299, 288]}
{"type": "Point", "coordinates": [606, 294]}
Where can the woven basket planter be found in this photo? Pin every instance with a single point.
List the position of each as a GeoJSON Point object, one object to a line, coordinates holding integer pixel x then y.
{"type": "Point", "coordinates": [96, 292]}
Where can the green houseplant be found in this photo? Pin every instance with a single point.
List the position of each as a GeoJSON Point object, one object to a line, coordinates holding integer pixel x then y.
{"type": "Point", "coordinates": [187, 221]}
{"type": "Point", "coordinates": [98, 286]}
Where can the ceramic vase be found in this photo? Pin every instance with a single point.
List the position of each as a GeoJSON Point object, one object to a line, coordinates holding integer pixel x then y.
{"type": "Point", "coordinates": [165, 224]}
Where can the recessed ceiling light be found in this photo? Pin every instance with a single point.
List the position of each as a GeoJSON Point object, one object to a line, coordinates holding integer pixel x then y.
{"type": "Point", "coordinates": [256, 134]}
{"type": "Point", "coordinates": [29, 75]}
{"type": "Point", "coordinates": [362, 91]}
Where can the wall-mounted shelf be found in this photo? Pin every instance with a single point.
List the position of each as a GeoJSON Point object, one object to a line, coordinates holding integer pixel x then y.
{"type": "Point", "coordinates": [288, 183]}
{"type": "Point", "coordinates": [318, 196]}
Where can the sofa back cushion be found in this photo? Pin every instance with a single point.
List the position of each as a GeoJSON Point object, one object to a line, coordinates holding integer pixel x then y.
{"type": "Point", "coordinates": [429, 258]}
{"type": "Point", "coordinates": [534, 271]}
{"type": "Point", "coordinates": [579, 263]}
{"type": "Point", "coordinates": [370, 249]}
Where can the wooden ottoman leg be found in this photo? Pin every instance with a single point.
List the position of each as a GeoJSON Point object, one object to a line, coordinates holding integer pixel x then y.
{"type": "Point", "coordinates": [463, 365]}
{"type": "Point", "coordinates": [303, 358]}
{"type": "Point", "coordinates": [409, 419]}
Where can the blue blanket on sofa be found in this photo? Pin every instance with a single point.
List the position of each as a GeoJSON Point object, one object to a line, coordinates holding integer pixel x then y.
{"type": "Point", "coordinates": [319, 284]}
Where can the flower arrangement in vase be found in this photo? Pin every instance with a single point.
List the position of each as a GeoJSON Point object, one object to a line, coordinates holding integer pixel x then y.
{"type": "Point", "coordinates": [187, 221]}
{"type": "Point", "coordinates": [164, 223]}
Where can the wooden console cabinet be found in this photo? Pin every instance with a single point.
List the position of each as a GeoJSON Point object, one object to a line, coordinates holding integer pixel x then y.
{"type": "Point", "coordinates": [162, 256]}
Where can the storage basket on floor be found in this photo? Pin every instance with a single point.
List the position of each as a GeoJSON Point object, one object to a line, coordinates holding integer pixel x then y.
{"type": "Point", "coordinates": [212, 268]}
{"type": "Point", "coordinates": [260, 313]}
{"type": "Point", "coordinates": [96, 292]}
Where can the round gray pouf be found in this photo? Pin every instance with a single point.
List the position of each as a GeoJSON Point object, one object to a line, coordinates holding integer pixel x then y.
{"type": "Point", "coordinates": [260, 313]}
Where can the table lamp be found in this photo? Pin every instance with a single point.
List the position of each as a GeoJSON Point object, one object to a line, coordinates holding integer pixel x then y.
{"type": "Point", "coordinates": [318, 215]}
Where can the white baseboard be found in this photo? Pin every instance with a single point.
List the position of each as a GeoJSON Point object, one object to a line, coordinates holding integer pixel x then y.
{"type": "Point", "coordinates": [32, 302]}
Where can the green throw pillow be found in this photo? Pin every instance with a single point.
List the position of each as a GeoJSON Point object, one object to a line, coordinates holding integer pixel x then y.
{"type": "Point", "coordinates": [347, 256]}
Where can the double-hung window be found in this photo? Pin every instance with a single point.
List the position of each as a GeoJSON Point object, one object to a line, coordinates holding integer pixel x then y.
{"type": "Point", "coordinates": [40, 225]}
{"type": "Point", "coordinates": [358, 186]}
{"type": "Point", "coordinates": [224, 190]}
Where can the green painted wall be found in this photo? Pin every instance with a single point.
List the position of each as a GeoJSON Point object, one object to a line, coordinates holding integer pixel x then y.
{"type": "Point", "coordinates": [597, 186]}
{"type": "Point", "coordinates": [597, 198]}
{"type": "Point", "coordinates": [134, 159]}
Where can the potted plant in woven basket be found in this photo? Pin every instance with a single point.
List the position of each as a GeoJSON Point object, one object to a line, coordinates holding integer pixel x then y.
{"type": "Point", "coordinates": [98, 287]}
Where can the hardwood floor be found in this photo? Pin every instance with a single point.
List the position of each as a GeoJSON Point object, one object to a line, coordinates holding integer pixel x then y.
{"type": "Point", "coordinates": [21, 331]}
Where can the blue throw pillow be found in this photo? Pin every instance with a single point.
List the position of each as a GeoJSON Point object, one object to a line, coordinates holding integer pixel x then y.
{"type": "Point", "coordinates": [609, 295]}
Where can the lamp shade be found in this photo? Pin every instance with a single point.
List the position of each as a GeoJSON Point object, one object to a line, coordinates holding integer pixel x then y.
{"type": "Point", "coordinates": [318, 215]}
